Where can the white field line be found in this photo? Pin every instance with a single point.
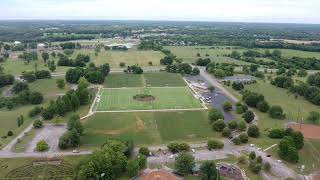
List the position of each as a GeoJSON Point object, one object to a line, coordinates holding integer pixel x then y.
{"type": "Point", "coordinates": [175, 87]}
{"type": "Point", "coordinates": [91, 112]}
{"type": "Point", "coordinates": [270, 147]}
{"type": "Point", "coordinates": [152, 110]}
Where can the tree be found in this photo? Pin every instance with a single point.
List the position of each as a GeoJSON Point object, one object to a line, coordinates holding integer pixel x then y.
{"type": "Point", "coordinates": [110, 161]}
{"type": "Point", "coordinates": [226, 132]}
{"type": "Point", "coordinates": [243, 137]}
{"type": "Point", "coordinates": [195, 71]}
{"type": "Point", "coordinates": [227, 106]}
{"type": "Point", "coordinates": [276, 133]}
{"type": "Point", "coordinates": [237, 86]}
{"type": "Point", "coordinates": [20, 120]}
{"type": "Point", "coordinates": [184, 163]}
{"type": "Point", "coordinates": [252, 99]}
{"type": "Point", "coordinates": [233, 124]}
{"type": "Point", "coordinates": [314, 117]}
{"type": "Point", "coordinates": [263, 106]}
{"type": "Point", "coordinates": [20, 86]}
{"type": "Point", "coordinates": [276, 112]}
{"type": "Point", "coordinates": [287, 150]}
{"type": "Point", "coordinates": [253, 131]}
{"type": "Point", "coordinates": [214, 144]}
{"type": "Point", "coordinates": [302, 73]}
{"type": "Point", "coordinates": [52, 66]}
{"type": "Point", "coordinates": [298, 139]}
{"type": "Point", "coordinates": [255, 167]}
{"type": "Point", "coordinates": [37, 124]}
{"type": "Point", "coordinates": [122, 64]}
{"type": "Point", "coordinates": [144, 151]}
{"type": "Point", "coordinates": [133, 167]}
{"type": "Point", "coordinates": [209, 171]}
{"type": "Point", "coordinates": [35, 98]}
{"type": "Point", "coordinates": [215, 114]}
{"type": "Point", "coordinates": [42, 146]}
{"type": "Point", "coordinates": [219, 73]}
{"type": "Point", "coordinates": [236, 141]}
{"type": "Point", "coordinates": [248, 116]}
{"type": "Point", "coordinates": [252, 155]}
{"type": "Point", "coordinates": [45, 56]}
{"type": "Point", "coordinates": [74, 123]}
{"type": "Point", "coordinates": [83, 83]}
{"type": "Point", "coordinates": [75, 103]}
{"type": "Point", "coordinates": [60, 83]}
{"type": "Point", "coordinates": [218, 125]}
{"type": "Point", "coordinates": [242, 125]}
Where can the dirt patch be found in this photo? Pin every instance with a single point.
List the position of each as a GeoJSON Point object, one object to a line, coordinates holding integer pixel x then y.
{"type": "Point", "coordinates": [140, 123]}
{"type": "Point", "coordinates": [316, 177]}
{"type": "Point", "coordinates": [113, 132]}
{"type": "Point", "coordinates": [308, 130]}
{"type": "Point", "coordinates": [144, 98]}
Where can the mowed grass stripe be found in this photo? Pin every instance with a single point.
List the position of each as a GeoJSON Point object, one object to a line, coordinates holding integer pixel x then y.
{"type": "Point", "coordinates": [165, 98]}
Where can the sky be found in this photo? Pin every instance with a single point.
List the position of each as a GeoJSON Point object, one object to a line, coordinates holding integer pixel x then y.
{"type": "Point", "coordinates": [277, 11]}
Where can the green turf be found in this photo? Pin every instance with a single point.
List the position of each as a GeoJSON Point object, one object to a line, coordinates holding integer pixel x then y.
{"type": "Point", "coordinates": [130, 57]}
{"type": "Point", "coordinates": [117, 80]}
{"type": "Point", "coordinates": [165, 98]}
{"type": "Point", "coordinates": [148, 128]}
{"type": "Point", "coordinates": [48, 87]}
{"type": "Point", "coordinates": [163, 79]}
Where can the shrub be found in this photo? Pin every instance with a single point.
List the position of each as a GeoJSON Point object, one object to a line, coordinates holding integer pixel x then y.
{"type": "Point", "coordinates": [214, 144]}
{"type": "Point", "coordinates": [255, 167]}
{"type": "Point", "coordinates": [184, 163]}
{"type": "Point", "coordinates": [10, 133]}
{"type": "Point", "coordinates": [276, 112]}
{"type": "Point", "coordinates": [242, 125]}
{"type": "Point", "coordinates": [226, 132]}
{"type": "Point", "coordinates": [173, 147]}
{"type": "Point", "coordinates": [236, 141]}
{"type": "Point", "coordinates": [133, 167]}
{"type": "Point", "coordinates": [248, 116]}
{"type": "Point", "coordinates": [237, 86]}
{"type": "Point", "coordinates": [252, 155]}
{"type": "Point", "coordinates": [233, 124]}
{"type": "Point", "coordinates": [253, 131]}
{"type": "Point", "coordinates": [263, 106]}
{"type": "Point", "coordinates": [144, 151]}
{"type": "Point", "coordinates": [37, 124]}
{"type": "Point", "coordinates": [215, 114]}
{"type": "Point", "coordinates": [218, 125]}
{"type": "Point", "coordinates": [35, 98]}
{"type": "Point", "coordinates": [42, 146]}
{"type": "Point", "coordinates": [276, 133]}
{"type": "Point", "coordinates": [241, 108]}
{"type": "Point", "coordinates": [227, 106]}
{"type": "Point", "coordinates": [244, 137]}
{"type": "Point", "coordinates": [259, 159]}
{"type": "Point", "coordinates": [35, 111]}
{"type": "Point", "coordinates": [314, 117]}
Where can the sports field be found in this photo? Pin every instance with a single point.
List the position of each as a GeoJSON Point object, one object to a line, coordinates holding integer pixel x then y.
{"type": "Point", "coordinates": [147, 128]}
{"type": "Point", "coordinates": [120, 99]}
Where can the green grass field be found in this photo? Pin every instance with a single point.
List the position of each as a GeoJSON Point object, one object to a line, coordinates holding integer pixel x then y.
{"type": "Point", "coordinates": [189, 53]}
{"type": "Point", "coordinates": [130, 57]}
{"type": "Point", "coordinates": [165, 98]}
{"type": "Point", "coordinates": [48, 87]}
{"type": "Point", "coordinates": [118, 80]}
{"type": "Point", "coordinates": [148, 128]}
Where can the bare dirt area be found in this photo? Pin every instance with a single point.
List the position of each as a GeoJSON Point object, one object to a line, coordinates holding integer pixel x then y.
{"type": "Point", "coordinates": [308, 130]}
{"type": "Point", "coordinates": [144, 98]}
{"type": "Point", "coordinates": [49, 133]}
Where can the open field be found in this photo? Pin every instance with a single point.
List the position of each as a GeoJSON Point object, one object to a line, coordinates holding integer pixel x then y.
{"type": "Point", "coordinates": [48, 87]}
{"type": "Point", "coordinates": [189, 53]}
{"type": "Point", "coordinates": [148, 128]}
{"type": "Point", "coordinates": [118, 80]}
{"type": "Point", "coordinates": [130, 57]}
{"type": "Point", "coordinates": [120, 99]}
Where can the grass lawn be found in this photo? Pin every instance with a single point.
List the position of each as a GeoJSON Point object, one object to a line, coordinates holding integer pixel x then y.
{"type": "Point", "coordinates": [16, 66]}
{"type": "Point", "coordinates": [48, 87]}
{"type": "Point", "coordinates": [159, 79]}
{"type": "Point", "coordinates": [130, 57]}
{"type": "Point", "coordinates": [165, 98]}
{"type": "Point", "coordinates": [163, 79]}
{"type": "Point", "coordinates": [148, 128]}
{"type": "Point", "coordinates": [118, 80]}
{"type": "Point", "coordinates": [21, 146]}
{"type": "Point", "coordinates": [189, 53]}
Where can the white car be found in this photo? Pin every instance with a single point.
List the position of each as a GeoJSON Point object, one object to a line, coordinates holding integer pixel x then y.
{"type": "Point", "coordinates": [193, 150]}
{"type": "Point", "coordinates": [251, 145]}
{"type": "Point", "coordinates": [75, 151]}
{"type": "Point", "coordinates": [279, 161]}
{"type": "Point", "coordinates": [171, 156]}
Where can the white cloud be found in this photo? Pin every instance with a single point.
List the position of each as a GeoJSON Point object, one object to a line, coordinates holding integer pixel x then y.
{"type": "Point", "coordinates": [205, 10]}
